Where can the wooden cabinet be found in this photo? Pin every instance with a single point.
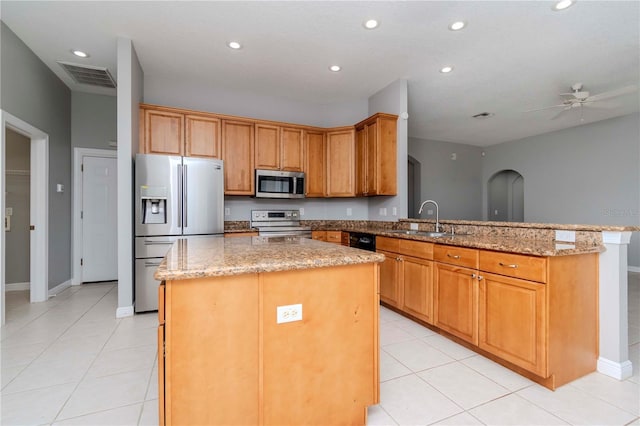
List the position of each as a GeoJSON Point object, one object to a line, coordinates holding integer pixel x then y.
{"type": "Point", "coordinates": [162, 132]}
{"type": "Point", "coordinates": [279, 148]}
{"type": "Point", "coordinates": [319, 235]}
{"type": "Point", "coordinates": [513, 321]}
{"type": "Point", "coordinates": [340, 159]}
{"type": "Point", "coordinates": [327, 236]}
{"type": "Point", "coordinates": [376, 159]}
{"type": "Point", "coordinates": [237, 153]}
{"type": "Point", "coordinates": [174, 133]}
{"type": "Point", "coordinates": [203, 137]}
{"type": "Point", "coordinates": [407, 282]}
{"type": "Point", "coordinates": [315, 163]}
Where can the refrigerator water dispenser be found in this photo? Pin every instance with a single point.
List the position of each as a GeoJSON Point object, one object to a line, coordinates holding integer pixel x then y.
{"type": "Point", "coordinates": [154, 204]}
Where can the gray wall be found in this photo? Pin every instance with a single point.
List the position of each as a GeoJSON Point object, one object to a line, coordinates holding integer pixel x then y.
{"type": "Point", "coordinates": [31, 92]}
{"type": "Point", "coordinates": [456, 185]}
{"type": "Point", "coordinates": [393, 99]}
{"type": "Point", "coordinates": [587, 174]}
{"type": "Point", "coordinates": [93, 120]}
{"type": "Point", "coordinates": [17, 149]}
{"type": "Point", "coordinates": [130, 94]}
{"type": "Point", "coordinates": [183, 94]}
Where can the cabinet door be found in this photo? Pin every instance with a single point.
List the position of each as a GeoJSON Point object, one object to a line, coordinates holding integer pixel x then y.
{"type": "Point", "coordinates": [341, 163]}
{"type": "Point", "coordinates": [417, 297]}
{"type": "Point", "coordinates": [163, 132]}
{"type": "Point", "coordinates": [456, 301]}
{"type": "Point", "coordinates": [203, 136]}
{"type": "Point", "coordinates": [315, 163]}
{"type": "Point", "coordinates": [237, 153]}
{"type": "Point", "coordinates": [319, 235]}
{"type": "Point", "coordinates": [361, 162]}
{"type": "Point", "coordinates": [161, 412]}
{"type": "Point", "coordinates": [292, 155]}
{"type": "Point", "coordinates": [387, 156]}
{"type": "Point", "coordinates": [389, 279]}
{"type": "Point", "coordinates": [267, 147]}
{"type": "Point", "coordinates": [334, 237]}
{"type": "Point", "coordinates": [512, 321]}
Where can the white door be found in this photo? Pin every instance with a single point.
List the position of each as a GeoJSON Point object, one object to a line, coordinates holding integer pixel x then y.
{"type": "Point", "coordinates": [99, 219]}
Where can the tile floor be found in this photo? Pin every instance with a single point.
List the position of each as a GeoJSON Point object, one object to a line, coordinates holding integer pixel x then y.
{"type": "Point", "coordinates": [69, 361]}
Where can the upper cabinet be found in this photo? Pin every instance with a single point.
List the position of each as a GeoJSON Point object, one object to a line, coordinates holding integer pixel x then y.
{"type": "Point", "coordinates": [174, 133]}
{"type": "Point", "coordinates": [376, 160]}
{"type": "Point", "coordinates": [237, 154]}
{"type": "Point", "coordinates": [315, 163]}
{"type": "Point", "coordinates": [162, 132]}
{"type": "Point", "coordinates": [341, 163]}
{"type": "Point", "coordinates": [279, 148]}
{"type": "Point", "coordinates": [344, 161]}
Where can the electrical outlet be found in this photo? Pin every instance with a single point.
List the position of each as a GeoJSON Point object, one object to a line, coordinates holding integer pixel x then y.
{"type": "Point", "coordinates": [7, 223]}
{"type": "Point", "coordinates": [413, 226]}
{"type": "Point", "coordinates": [566, 236]}
{"type": "Point", "coordinates": [495, 212]}
{"type": "Point", "coordinates": [454, 156]}
{"type": "Point", "coordinates": [301, 211]}
{"type": "Point", "coordinates": [8, 211]}
{"type": "Point", "coordinates": [289, 313]}
{"type": "Point", "coordinates": [394, 211]}
{"type": "Point", "coordinates": [383, 211]}
{"type": "Point", "coordinates": [429, 212]}
{"type": "Point", "coordinates": [349, 211]}
{"type": "Point", "coordinates": [227, 211]}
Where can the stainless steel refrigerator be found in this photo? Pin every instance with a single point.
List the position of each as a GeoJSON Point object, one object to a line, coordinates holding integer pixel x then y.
{"type": "Point", "coordinates": [174, 197]}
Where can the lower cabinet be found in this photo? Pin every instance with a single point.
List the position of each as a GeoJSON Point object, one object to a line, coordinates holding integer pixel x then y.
{"type": "Point", "coordinates": [513, 321]}
{"type": "Point", "coordinates": [456, 301]}
{"type": "Point", "coordinates": [417, 295]}
{"type": "Point", "coordinates": [390, 279]}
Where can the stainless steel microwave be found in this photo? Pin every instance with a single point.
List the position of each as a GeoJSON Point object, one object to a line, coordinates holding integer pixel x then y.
{"type": "Point", "coordinates": [279, 184]}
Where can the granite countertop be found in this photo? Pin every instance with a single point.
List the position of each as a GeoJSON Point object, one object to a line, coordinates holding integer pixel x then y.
{"type": "Point", "coordinates": [503, 244]}
{"type": "Point", "coordinates": [217, 256]}
{"type": "Point", "coordinates": [532, 225]}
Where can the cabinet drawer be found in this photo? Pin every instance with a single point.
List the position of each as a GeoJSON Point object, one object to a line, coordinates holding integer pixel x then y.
{"type": "Point", "coordinates": [456, 256]}
{"type": "Point", "coordinates": [416, 249]}
{"type": "Point", "coordinates": [319, 235]}
{"type": "Point", "coordinates": [334, 237]}
{"type": "Point", "coordinates": [388, 244]}
{"type": "Point", "coordinates": [531, 268]}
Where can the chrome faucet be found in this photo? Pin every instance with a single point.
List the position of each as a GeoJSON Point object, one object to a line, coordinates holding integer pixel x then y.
{"type": "Point", "coordinates": [437, 212]}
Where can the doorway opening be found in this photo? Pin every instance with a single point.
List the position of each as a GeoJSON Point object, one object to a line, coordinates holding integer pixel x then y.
{"type": "Point", "coordinates": [506, 196]}
{"type": "Point", "coordinates": [414, 174]}
{"type": "Point", "coordinates": [38, 207]}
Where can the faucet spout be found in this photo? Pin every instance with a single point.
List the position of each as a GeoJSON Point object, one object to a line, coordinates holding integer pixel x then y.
{"type": "Point", "coordinates": [437, 212]}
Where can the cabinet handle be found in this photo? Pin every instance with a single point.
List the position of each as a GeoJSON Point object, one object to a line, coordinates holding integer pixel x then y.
{"type": "Point", "coordinates": [473, 275]}
{"type": "Point", "coordinates": [507, 265]}
{"type": "Point", "coordinates": [453, 256]}
{"type": "Point", "coordinates": [480, 277]}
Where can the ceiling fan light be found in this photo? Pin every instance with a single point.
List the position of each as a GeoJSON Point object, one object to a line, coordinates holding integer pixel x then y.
{"type": "Point", "coordinates": [563, 4]}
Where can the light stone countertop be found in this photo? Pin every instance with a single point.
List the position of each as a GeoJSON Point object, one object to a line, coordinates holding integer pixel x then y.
{"type": "Point", "coordinates": [218, 256]}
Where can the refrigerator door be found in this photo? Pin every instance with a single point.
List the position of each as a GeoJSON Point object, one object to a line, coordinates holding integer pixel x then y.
{"type": "Point", "coordinates": [158, 204]}
{"type": "Point", "coordinates": [203, 202]}
{"type": "Point", "coordinates": [146, 285]}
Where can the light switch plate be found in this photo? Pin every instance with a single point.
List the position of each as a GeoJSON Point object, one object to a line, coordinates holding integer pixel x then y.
{"type": "Point", "coordinates": [8, 211]}
{"type": "Point", "coordinates": [349, 211]}
{"type": "Point", "coordinates": [301, 211]}
{"type": "Point", "coordinates": [227, 211]}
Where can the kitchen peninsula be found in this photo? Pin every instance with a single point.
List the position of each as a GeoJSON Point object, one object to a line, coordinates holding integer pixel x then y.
{"type": "Point", "coordinates": [257, 330]}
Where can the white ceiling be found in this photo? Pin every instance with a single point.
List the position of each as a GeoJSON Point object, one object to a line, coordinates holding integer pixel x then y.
{"type": "Point", "coordinates": [513, 56]}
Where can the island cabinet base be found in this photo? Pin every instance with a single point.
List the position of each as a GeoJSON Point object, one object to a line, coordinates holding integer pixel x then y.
{"type": "Point", "coordinates": [227, 361]}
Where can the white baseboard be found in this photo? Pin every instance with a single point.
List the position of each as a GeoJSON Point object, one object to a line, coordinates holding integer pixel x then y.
{"type": "Point", "coordinates": [124, 311]}
{"type": "Point", "coordinates": [17, 286]}
{"type": "Point", "coordinates": [617, 370]}
{"type": "Point", "coordinates": [634, 268]}
{"type": "Point", "coordinates": [60, 287]}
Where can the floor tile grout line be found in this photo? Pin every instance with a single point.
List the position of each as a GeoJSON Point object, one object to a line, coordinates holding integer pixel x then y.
{"type": "Point", "coordinates": [55, 340]}
{"type": "Point", "coordinates": [602, 399]}
{"type": "Point", "coordinates": [97, 412]}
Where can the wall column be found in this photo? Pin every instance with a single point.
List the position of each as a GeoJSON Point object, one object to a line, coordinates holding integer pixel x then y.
{"type": "Point", "coordinates": [613, 305]}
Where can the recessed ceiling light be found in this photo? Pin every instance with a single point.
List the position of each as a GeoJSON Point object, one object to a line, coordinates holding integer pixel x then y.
{"type": "Point", "coordinates": [234, 45]}
{"type": "Point", "coordinates": [483, 115]}
{"type": "Point", "coordinates": [563, 4]}
{"type": "Point", "coordinates": [446, 69]}
{"type": "Point", "coordinates": [371, 24]}
{"type": "Point", "coordinates": [335, 68]}
{"type": "Point", "coordinates": [80, 53]}
{"type": "Point", "coordinates": [458, 25]}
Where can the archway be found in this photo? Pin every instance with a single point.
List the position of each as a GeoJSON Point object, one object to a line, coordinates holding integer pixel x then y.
{"type": "Point", "coordinates": [506, 196]}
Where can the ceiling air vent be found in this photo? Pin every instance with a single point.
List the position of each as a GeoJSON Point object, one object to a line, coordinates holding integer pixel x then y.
{"type": "Point", "coordinates": [86, 74]}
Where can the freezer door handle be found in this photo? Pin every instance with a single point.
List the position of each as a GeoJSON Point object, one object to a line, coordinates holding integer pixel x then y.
{"type": "Point", "coordinates": [157, 243]}
{"type": "Point", "coordinates": [149, 264]}
{"type": "Point", "coordinates": [184, 201]}
{"type": "Point", "coordinates": [179, 202]}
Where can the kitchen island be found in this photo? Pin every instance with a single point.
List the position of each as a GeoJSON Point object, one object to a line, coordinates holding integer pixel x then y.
{"type": "Point", "coordinates": [258, 330]}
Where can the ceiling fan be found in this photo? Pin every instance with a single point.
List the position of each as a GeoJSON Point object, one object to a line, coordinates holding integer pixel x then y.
{"type": "Point", "coordinates": [579, 98]}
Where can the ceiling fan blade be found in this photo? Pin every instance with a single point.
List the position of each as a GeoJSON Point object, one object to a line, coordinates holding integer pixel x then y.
{"type": "Point", "coordinates": [549, 107]}
{"type": "Point", "coordinates": [613, 93]}
{"type": "Point", "coordinates": [601, 104]}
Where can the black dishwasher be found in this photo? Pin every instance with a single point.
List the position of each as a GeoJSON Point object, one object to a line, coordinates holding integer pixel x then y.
{"type": "Point", "coordinates": [362, 241]}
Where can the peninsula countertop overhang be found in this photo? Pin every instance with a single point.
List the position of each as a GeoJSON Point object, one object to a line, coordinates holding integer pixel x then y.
{"type": "Point", "coordinates": [200, 257]}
